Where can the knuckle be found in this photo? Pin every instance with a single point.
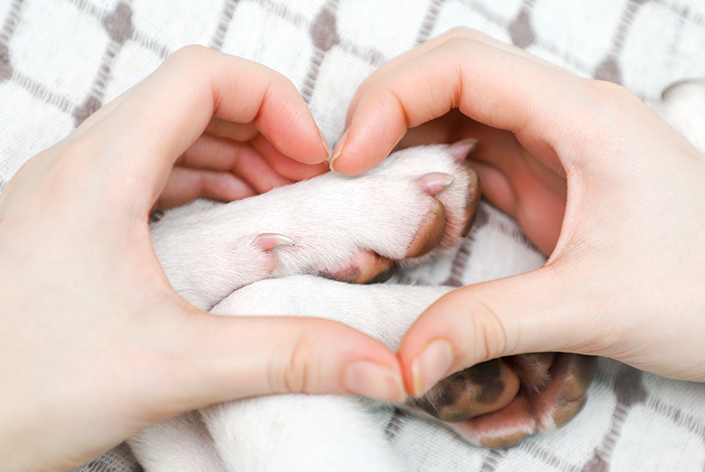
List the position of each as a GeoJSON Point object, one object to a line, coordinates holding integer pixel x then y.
{"type": "Point", "coordinates": [296, 371]}
{"type": "Point", "coordinates": [456, 44]}
{"type": "Point", "coordinates": [609, 95]}
{"type": "Point", "coordinates": [465, 32]}
{"type": "Point", "coordinates": [192, 55]}
{"type": "Point", "coordinates": [491, 339]}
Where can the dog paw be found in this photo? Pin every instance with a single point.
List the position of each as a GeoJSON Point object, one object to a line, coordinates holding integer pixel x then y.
{"type": "Point", "coordinates": [418, 201]}
{"type": "Point", "coordinates": [500, 402]}
{"type": "Point", "coordinates": [496, 403]}
{"type": "Point", "coordinates": [354, 229]}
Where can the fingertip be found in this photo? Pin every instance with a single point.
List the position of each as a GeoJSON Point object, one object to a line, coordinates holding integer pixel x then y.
{"type": "Point", "coordinates": [476, 323]}
{"type": "Point", "coordinates": [431, 348]}
{"type": "Point", "coordinates": [324, 143]}
{"type": "Point", "coordinates": [363, 146]}
{"type": "Point", "coordinates": [286, 121]}
{"type": "Point", "coordinates": [371, 380]}
{"type": "Point", "coordinates": [430, 366]}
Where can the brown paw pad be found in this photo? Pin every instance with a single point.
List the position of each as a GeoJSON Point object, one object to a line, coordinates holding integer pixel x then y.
{"type": "Point", "coordinates": [481, 389]}
{"type": "Point", "coordinates": [365, 267]}
{"type": "Point", "coordinates": [501, 404]}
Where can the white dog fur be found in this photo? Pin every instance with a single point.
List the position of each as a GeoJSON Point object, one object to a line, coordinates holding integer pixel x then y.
{"type": "Point", "coordinates": [209, 250]}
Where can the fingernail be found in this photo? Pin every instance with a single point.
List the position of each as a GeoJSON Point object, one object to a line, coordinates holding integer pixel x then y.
{"type": "Point", "coordinates": [326, 148]}
{"type": "Point", "coordinates": [432, 365]}
{"type": "Point", "coordinates": [339, 148]}
{"type": "Point", "coordinates": [371, 380]}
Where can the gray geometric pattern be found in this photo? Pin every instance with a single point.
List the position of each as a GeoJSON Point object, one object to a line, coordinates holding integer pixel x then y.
{"type": "Point", "coordinates": [61, 60]}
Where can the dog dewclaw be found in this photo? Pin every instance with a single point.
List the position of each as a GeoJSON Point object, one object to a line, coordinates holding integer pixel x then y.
{"type": "Point", "coordinates": [460, 149]}
{"type": "Point", "coordinates": [268, 241]}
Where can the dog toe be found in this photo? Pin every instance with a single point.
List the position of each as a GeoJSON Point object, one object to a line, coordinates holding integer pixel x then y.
{"type": "Point", "coordinates": [481, 389]}
{"type": "Point", "coordinates": [362, 268]}
{"type": "Point", "coordinates": [499, 403]}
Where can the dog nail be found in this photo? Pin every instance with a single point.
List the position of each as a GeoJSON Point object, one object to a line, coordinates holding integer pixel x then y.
{"type": "Point", "coordinates": [268, 241]}
{"type": "Point", "coordinates": [374, 381]}
{"type": "Point", "coordinates": [460, 149]}
{"type": "Point", "coordinates": [431, 366]}
{"type": "Point", "coordinates": [435, 182]}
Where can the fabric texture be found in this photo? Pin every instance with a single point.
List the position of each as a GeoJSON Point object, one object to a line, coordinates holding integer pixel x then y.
{"type": "Point", "coordinates": [60, 60]}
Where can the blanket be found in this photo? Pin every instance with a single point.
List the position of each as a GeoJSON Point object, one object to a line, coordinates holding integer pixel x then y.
{"type": "Point", "coordinates": [60, 60]}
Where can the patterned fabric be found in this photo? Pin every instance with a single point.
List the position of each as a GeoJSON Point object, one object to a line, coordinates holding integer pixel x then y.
{"type": "Point", "coordinates": [60, 60]}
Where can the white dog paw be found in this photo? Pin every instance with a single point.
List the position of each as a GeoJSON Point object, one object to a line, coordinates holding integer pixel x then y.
{"type": "Point", "coordinates": [416, 201]}
{"type": "Point", "coordinates": [354, 229]}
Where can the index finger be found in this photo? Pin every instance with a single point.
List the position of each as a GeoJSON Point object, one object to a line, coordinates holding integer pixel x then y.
{"type": "Point", "coordinates": [494, 86]}
{"type": "Point", "coordinates": [458, 32]}
{"type": "Point", "coordinates": [161, 117]}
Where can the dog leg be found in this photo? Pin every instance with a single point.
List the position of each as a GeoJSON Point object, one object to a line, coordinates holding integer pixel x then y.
{"type": "Point", "coordinates": [535, 393]}
{"type": "Point", "coordinates": [181, 444]}
{"type": "Point", "coordinates": [314, 433]}
{"type": "Point", "coordinates": [352, 229]}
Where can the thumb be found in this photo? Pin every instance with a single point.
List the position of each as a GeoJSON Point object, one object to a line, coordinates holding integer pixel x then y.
{"type": "Point", "coordinates": [231, 357]}
{"type": "Point", "coordinates": [527, 313]}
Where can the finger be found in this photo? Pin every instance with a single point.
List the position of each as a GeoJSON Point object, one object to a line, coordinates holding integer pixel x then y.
{"type": "Point", "coordinates": [235, 131]}
{"type": "Point", "coordinates": [226, 358]}
{"type": "Point", "coordinates": [256, 161]}
{"type": "Point", "coordinates": [282, 164]}
{"type": "Point", "coordinates": [187, 184]}
{"type": "Point", "coordinates": [161, 117]}
{"type": "Point", "coordinates": [285, 166]}
{"type": "Point", "coordinates": [216, 153]}
{"type": "Point", "coordinates": [480, 80]}
{"type": "Point", "coordinates": [520, 185]}
{"type": "Point", "coordinates": [539, 311]}
{"type": "Point", "coordinates": [459, 32]}
{"type": "Point", "coordinates": [240, 159]}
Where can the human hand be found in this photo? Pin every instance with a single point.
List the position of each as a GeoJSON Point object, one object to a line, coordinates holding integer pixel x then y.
{"type": "Point", "coordinates": [95, 345]}
{"type": "Point", "coordinates": [608, 189]}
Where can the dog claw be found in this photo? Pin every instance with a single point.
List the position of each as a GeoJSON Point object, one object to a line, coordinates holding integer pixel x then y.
{"type": "Point", "coordinates": [460, 149]}
{"type": "Point", "coordinates": [430, 233]}
{"type": "Point", "coordinates": [268, 241]}
{"type": "Point", "coordinates": [435, 182]}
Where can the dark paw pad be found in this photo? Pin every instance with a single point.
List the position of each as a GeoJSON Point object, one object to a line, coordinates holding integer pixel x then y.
{"type": "Point", "coordinates": [500, 402]}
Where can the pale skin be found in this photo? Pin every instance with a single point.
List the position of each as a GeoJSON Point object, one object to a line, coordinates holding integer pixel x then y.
{"type": "Point", "coordinates": [96, 345]}
{"type": "Point", "coordinates": [612, 193]}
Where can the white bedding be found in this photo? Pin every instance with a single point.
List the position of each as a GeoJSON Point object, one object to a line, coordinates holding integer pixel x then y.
{"type": "Point", "coordinates": [62, 59]}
